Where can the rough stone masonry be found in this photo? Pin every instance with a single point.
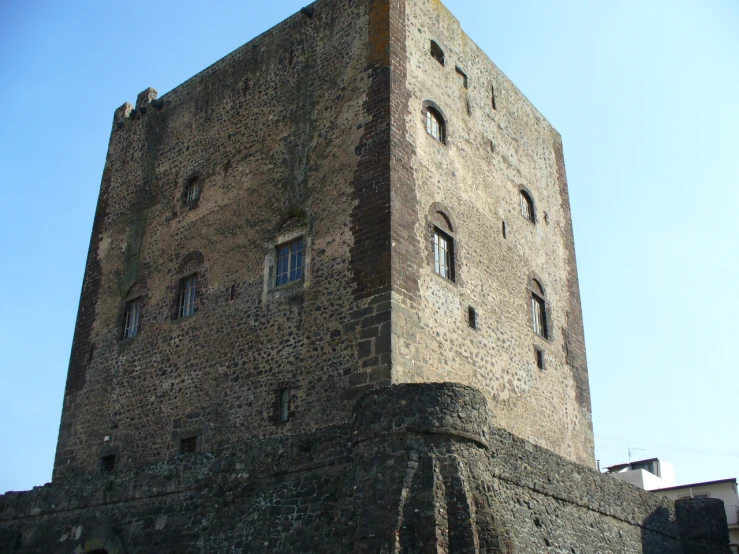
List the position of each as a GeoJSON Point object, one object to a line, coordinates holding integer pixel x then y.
{"type": "Point", "coordinates": [331, 305]}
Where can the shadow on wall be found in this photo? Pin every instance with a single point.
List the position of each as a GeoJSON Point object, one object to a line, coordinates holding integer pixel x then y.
{"type": "Point", "coordinates": [657, 534]}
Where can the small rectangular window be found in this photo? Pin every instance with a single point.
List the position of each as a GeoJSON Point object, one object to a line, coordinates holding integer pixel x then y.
{"type": "Point", "coordinates": [133, 314]}
{"type": "Point", "coordinates": [539, 315]}
{"type": "Point", "coordinates": [188, 294]}
{"type": "Point", "coordinates": [472, 317]}
{"type": "Point", "coordinates": [189, 445]}
{"type": "Point", "coordinates": [284, 407]}
{"type": "Point", "coordinates": [539, 358]}
{"type": "Point", "coordinates": [107, 463]}
{"type": "Point", "coordinates": [443, 255]}
{"type": "Point", "coordinates": [463, 75]}
{"type": "Point", "coordinates": [290, 262]}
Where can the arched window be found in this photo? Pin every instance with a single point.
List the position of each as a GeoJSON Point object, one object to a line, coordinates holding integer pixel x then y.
{"type": "Point", "coordinates": [527, 207]}
{"type": "Point", "coordinates": [437, 53]}
{"type": "Point", "coordinates": [539, 321]}
{"type": "Point", "coordinates": [435, 125]}
{"type": "Point", "coordinates": [188, 295]}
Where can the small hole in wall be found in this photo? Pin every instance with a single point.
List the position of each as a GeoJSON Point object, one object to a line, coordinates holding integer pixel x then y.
{"type": "Point", "coordinates": [547, 542]}
{"type": "Point", "coordinates": [492, 147]}
{"type": "Point", "coordinates": [308, 12]}
{"type": "Point", "coordinates": [232, 293]}
{"type": "Point", "coordinates": [107, 463]}
{"type": "Point", "coordinates": [91, 353]}
{"type": "Point", "coordinates": [505, 233]}
{"type": "Point", "coordinates": [189, 445]}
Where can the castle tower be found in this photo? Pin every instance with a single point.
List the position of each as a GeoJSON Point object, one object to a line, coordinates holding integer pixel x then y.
{"type": "Point", "coordinates": [356, 198]}
{"type": "Point", "coordinates": [331, 305]}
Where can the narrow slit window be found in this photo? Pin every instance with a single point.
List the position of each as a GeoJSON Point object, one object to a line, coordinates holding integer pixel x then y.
{"type": "Point", "coordinates": [539, 315]}
{"type": "Point", "coordinates": [290, 262]}
{"type": "Point", "coordinates": [284, 407]}
{"type": "Point", "coordinates": [472, 317]}
{"type": "Point", "coordinates": [107, 464]}
{"type": "Point", "coordinates": [492, 95]}
{"type": "Point", "coordinates": [132, 318]}
{"type": "Point", "coordinates": [505, 234]}
{"type": "Point", "coordinates": [232, 293]}
{"type": "Point", "coordinates": [443, 258]}
{"type": "Point", "coordinates": [188, 294]}
{"type": "Point", "coordinates": [189, 445]}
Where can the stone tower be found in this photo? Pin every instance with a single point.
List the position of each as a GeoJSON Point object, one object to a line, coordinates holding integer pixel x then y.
{"type": "Point", "coordinates": [316, 131]}
{"type": "Point", "coordinates": [331, 305]}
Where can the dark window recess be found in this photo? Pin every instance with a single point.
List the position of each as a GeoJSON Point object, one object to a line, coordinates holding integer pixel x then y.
{"type": "Point", "coordinates": [463, 75]}
{"type": "Point", "coordinates": [232, 293]}
{"type": "Point", "coordinates": [492, 93]}
{"type": "Point", "coordinates": [539, 358]}
{"type": "Point", "coordinates": [284, 406]}
{"type": "Point", "coordinates": [492, 146]}
{"type": "Point", "coordinates": [189, 445]}
{"type": "Point", "coordinates": [91, 353]}
{"type": "Point", "coordinates": [192, 191]}
{"type": "Point", "coordinates": [107, 463]}
{"type": "Point", "coordinates": [437, 53]}
{"type": "Point", "coordinates": [505, 234]}
{"type": "Point", "coordinates": [469, 108]}
{"type": "Point", "coordinates": [472, 317]}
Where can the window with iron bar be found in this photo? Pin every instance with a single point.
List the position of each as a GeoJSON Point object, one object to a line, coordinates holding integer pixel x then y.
{"type": "Point", "coordinates": [284, 407]}
{"type": "Point", "coordinates": [133, 315]}
{"type": "Point", "coordinates": [192, 191]}
{"type": "Point", "coordinates": [527, 206]}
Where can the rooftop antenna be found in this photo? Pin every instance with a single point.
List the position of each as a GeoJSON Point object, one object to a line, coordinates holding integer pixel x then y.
{"type": "Point", "coordinates": [629, 449]}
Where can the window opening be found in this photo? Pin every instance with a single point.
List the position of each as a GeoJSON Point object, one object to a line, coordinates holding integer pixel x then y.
{"type": "Point", "coordinates": [539, 315]}
{"type": "Point", "coordinates": [232, 293]}
{"type": "Point", "coordinates": [505, 235]}
{"type": "Point", "coordinates": [463, 75]}
{"type": "Point", "coordinates": [435, 125]}
{"type": "Point", "coordinates": [107, 463]}
{"type": "Point", "coordinates": [290, 262]}
{"type": "Point", "coordinates": [189, 445]}
{"type": "Point", "coordinates": [193, 190]}
{"type": "Point", "coordinates": [443, 254]}
{"type": "Point", "coordinates": [539, 358]}
{"type": "Point", "coordinates": [284, 405]}
{"type": "Point", "coordinates": [188, 292]}
{"type": "Point", "coordinates": [437, 53]}
{"type": "Point", "coordinates": [133, 315]}
{"type": "Point", "coordinates": [527, 206]}
{"type": "Point", "coordinates": [492, 92]}
{"type": "Point", "coordinates": [472, 317]}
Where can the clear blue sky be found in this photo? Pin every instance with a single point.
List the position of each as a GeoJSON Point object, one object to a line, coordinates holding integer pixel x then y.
{"type": "Point", "coordinates": [645, 95]}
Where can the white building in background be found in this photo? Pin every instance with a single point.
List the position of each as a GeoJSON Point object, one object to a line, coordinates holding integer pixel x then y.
{"type": "Point", "coordinates": [646, 474]}
{"type": "Point", "coordinates": [724, 489]}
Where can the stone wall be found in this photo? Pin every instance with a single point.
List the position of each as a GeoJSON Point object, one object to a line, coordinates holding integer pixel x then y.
{"type": "Point", "coordinates": [493, 150]}
{"type": "Point", "coordinates": [419, 469]}
{"type": "Point", "coordinates": [292, 125]}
